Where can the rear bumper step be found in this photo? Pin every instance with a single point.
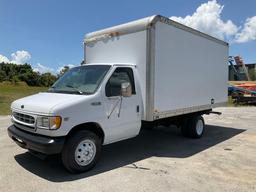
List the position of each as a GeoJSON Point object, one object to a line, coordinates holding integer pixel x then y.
{"type": "Point", "coordinates": [215, 112]}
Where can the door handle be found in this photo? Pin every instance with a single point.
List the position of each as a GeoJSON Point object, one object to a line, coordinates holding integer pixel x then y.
{"type": "Point", "coordinates": [114, 98]}
{"type": "Point", "coordinates": [96, 103]}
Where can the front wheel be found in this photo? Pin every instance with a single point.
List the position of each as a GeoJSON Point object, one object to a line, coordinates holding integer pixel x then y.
{"type": "Point", "coordinates": [81, 152]}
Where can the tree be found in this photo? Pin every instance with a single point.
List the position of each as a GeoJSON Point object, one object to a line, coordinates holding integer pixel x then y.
{"type": "Point", "coordinates": [63, 70]}
{"type": "Point", "coordinates": [47, 79]}
{"type": "Point", "coordinates": [83, 62]}
{"type": "Point", "coordinates": [252, 74]}
{"type": "Point", "coordinates": [15, 73]}
{"type": "Point", "coordinates": [2, 75]}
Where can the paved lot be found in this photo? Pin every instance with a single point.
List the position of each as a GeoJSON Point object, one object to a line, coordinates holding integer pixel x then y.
{"type": "Point", "coordinates": [157, 160]}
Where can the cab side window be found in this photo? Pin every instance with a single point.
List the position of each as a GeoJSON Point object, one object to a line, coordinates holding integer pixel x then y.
{"type": "Point", "coordinates": [120, 75]}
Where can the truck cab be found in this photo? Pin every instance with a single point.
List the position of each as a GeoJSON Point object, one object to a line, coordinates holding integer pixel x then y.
{"type": "Point", "coordinates": [103, 99]}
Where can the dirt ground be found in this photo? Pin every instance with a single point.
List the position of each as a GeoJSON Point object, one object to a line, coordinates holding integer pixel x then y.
{"type": "Point", "coordinates": [156, 160]}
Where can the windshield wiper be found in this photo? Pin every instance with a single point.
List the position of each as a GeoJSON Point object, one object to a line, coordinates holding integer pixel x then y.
{"type": "Point", "coordinates": [77, 90]}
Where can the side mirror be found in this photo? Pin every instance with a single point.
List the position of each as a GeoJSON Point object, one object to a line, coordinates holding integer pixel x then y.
{"type": "Point", "coordinates": [126, 89]}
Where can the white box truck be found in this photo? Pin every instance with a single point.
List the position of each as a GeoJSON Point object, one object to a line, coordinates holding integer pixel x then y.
{"type": "Point", "coordinates": [146, 72]}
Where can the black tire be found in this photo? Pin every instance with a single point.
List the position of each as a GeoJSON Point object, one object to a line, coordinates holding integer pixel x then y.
{"type": "Point", "coordinates": [193, 131]}
{"type": "Point", "coordinates": [184, 127]}
{"type": "Point", "coordinates": [68, 152]}
{"type": "Point", "coordinates": [147, 126]}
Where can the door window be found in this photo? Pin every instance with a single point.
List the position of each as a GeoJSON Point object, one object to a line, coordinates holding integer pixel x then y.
{"type": "Point", "coordinates": [120, 75]}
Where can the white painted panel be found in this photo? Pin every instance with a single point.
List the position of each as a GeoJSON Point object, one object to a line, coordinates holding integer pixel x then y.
{"type": "Point", "coordinates": [190, 70]}
{"type": "Point", "coordinates": [129, 48]}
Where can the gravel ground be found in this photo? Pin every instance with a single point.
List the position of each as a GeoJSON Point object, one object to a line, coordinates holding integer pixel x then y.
{"type": "Point", "coordinates": [157, 160]}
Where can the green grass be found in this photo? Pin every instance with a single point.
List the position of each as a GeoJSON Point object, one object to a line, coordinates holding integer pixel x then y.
{"type": "Point", "coordinates": [10, 92]}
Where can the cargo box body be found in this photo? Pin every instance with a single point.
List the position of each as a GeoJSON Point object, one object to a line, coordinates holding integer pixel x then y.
{"type": "Point", "coordinates": [180, 70]}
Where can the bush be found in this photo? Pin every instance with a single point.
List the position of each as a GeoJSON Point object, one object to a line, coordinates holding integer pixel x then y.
{"type": "Point", "coordinates": [252, 74]}
{"type": "Point", "coordinates": [16, 73]}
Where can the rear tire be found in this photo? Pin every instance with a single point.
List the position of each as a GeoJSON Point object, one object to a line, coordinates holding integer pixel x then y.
{"type": "Point", "coordinates": [196, 127]}
{"type": "Point", "coordinates": [184, 127]}
{"type": "Point", "coordinates": [81, 152]}
{"type": "Point", "coordinates": [193, 127]}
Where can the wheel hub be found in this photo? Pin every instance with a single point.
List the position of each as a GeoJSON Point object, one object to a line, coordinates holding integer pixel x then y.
{"type": "Point", "coordinates": [85, 152]}
{"type": "Point", "coordinates": [199, 127]}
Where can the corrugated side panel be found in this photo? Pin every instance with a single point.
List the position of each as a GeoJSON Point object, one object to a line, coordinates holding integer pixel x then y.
{"type": "Point", "coordinates": [190, 70]}
{"type": "Point", "coordinates": [129, 48]}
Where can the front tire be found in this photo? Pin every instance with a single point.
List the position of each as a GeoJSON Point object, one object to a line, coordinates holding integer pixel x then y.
{"type": "Point", "coordinates": [81, 152]}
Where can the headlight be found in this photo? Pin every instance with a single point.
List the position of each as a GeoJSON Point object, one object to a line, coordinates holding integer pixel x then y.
{"type": "Point", "coordinates": [45, 122]}
{"type": "Point", "coordinates": [55, 122]}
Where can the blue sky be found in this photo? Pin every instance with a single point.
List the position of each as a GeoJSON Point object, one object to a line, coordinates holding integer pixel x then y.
{"type": "Point", "coordinates": [49, 33]}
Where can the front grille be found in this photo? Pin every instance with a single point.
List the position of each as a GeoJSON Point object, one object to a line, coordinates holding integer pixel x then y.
{"type": "Point", "coordinates": [23, 127]}
{"type": "Point", "coordinates": [24, 118]}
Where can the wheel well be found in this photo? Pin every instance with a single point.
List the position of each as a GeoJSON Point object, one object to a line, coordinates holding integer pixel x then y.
{"type": "Point", "coordinates": [90, 126]}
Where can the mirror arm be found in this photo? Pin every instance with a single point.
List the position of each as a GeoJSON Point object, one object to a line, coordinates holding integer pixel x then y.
{"type": "Point", "coordinates": [114, 107]}
{"type": "Point", "coordinates": [121, 102]}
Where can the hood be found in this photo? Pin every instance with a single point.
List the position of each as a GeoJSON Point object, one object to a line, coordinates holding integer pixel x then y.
{"type": "Point", "coordinates": [43, 103]}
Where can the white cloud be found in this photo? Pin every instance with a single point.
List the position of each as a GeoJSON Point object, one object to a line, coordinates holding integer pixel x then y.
{"type": "Point", "coordinates": [4, 59]}
{"type": "Point", "coordinates": [248, 32]}
{"type": "Point", "coordinates": [19, 57]}
{"type": "Point", "coordinates": [207, 18]}
{"type": "Point", "coordinates": [43, 69]}
{"type": "Point", "coordinates": [62, 67]}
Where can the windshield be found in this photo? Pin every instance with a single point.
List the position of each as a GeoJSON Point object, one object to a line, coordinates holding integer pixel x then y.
{"type": "Point", "coordinates": [80, 80]}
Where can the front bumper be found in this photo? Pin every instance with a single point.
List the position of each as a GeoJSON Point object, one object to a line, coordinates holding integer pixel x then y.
{"type": "Point", "coordinates": [38, 143]}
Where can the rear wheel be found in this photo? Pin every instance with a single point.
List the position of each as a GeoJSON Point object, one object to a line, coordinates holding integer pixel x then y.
{"type": "Point", "coordinates": [196, 126]}
{"type": "Point", "coordinates": [81, 152]}
{"type": "Point", "coordinates": [193, 127]}
{"type": "Point", "coordinates": [184, 127]}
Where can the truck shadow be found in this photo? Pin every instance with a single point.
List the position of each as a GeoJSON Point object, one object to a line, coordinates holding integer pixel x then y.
{"type": "Point", "coordinates": [160, 142]}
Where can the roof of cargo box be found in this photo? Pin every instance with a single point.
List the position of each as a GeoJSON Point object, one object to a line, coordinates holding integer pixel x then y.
{"type": "Point", "coordinates": [140, 25]}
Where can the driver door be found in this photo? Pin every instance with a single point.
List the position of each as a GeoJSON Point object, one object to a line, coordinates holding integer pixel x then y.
{"type": "Point", "coordinates": [123, 113]}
